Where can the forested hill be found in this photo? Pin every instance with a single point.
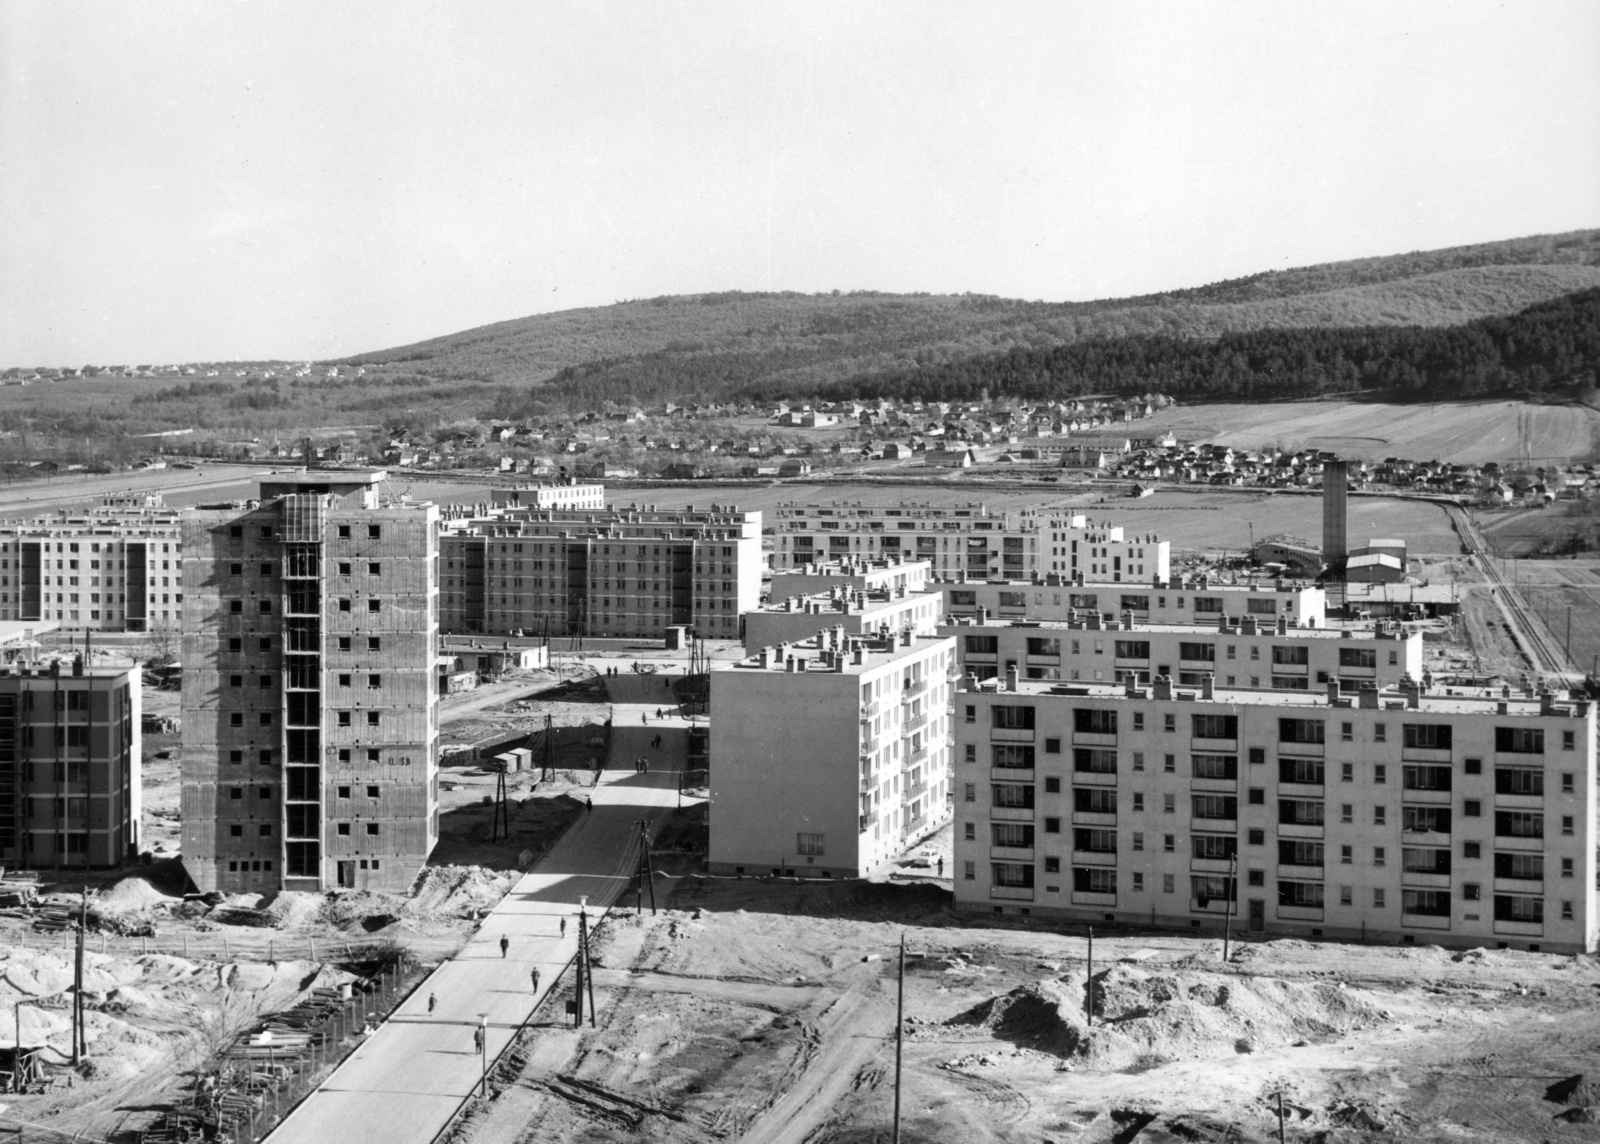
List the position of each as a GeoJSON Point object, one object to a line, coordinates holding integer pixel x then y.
{"type": "Point", "coordinates": [710, 346]}
{"type": "Point", "coordinates": [1551, 349]}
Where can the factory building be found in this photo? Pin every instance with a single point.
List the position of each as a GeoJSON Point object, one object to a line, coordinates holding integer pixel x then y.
{"type": "Point", "coordinates": [618, 572]}
{"type": "Point", "coordinates": [1182, 600]}
{"type": "Point", "coordinates": [115, 568]}
{"type": "Point", "coordinates": [310, 709]}
{"type": "Point", "coordinates": [830, 757]}
{"type": "Point", "coordinates": [69, 766]}
{"type": "Point", "coordinates": [1245, 654]}
{"type": "Point", "coordinates": [1390, 815]}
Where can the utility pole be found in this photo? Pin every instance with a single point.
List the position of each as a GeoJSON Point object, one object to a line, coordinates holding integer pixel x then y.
{"type": "Point", "coordinates": [585, 974]}
{"type": "Point", "coordinates": [1088, 986]}
{"type": "Point", "coordinates": [77, 983]}
{"type": "Point", "coordinates": [899, 1035]}
{"type": "Point", "coordinates": [547, 762]}
{"type": "Point", "coordinates": [647, 869]}
{"type": "Point", "coordinates": [1280, 1117]}
{"type": "Point", "coordinates": [1227, 917]}
{"type": "Point", "coordinates": [502, 812]}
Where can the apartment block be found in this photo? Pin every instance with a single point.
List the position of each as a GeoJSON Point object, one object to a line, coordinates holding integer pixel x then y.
{"type": "Point", "coordinates": [310, 711]}
{"type": "Point", "coordinates": [1391, 815]}
{"type": "Point", "coordinates": [621, 572]}
{"type": "Point", "coordinates": [1245, 654]}
{"type": "Point", "coordinates": [1181, 600]}
{"type": "Point", "coordinates": [115, 568]}
{"type": "Point", "coordinates": [1100, 552]}
{"type": "Point", "coordinates": [891, 574]}
{"type": "Point", "coordinates": [69, 766]}
{"type": "Point", "coordinates": [568, 494]}
{"type": "Point", "coordinates": [852, 612]}
{"type": "Point", "coordinates": [959, 542]}
{"type": "Point", "coordinates": [829, 757]}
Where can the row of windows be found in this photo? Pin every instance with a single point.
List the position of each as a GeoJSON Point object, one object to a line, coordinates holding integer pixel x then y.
{"type": "Point", "coordinates": [266, 532]}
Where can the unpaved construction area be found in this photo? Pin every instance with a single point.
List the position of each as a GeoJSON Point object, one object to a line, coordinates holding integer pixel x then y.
{"type": "Point", "coordinates": [765, 1012]}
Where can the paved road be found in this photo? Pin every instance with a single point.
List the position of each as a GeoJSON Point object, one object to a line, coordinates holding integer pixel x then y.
{"type": "Point", "coordinates": [408, 1079]}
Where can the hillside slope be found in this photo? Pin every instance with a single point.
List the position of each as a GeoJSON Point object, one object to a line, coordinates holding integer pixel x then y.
{"type": "Point", "coordinates": [727, 340]}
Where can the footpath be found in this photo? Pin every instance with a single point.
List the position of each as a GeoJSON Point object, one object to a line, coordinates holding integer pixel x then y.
{"type": "Point", "coordinates": [407, 1080]}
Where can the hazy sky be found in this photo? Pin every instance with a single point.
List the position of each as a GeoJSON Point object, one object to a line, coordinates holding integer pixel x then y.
{"type": "Point", "coordinates": [199, 180]}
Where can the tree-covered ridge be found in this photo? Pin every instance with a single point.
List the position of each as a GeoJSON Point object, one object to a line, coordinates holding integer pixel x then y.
{"type": "Point", "coordinates": [842, 334]}
{"type": "Point", "coordinates": [1553, 344]}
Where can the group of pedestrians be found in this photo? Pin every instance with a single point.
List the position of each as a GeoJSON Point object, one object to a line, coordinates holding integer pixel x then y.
{"type": "Point", "coordinates": [533, 980]}
{"type": "Point", "coordinates": [641, 765]}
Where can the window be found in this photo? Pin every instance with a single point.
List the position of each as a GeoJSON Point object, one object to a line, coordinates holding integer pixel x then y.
{"type": "Point", "coordinates": [343, 829]}
{"type": "Point", "coordinates": [1346, 732]}
{"type": "Point", "coordinates": [1518, 780]}
{"type": "Point", "coordinates": [1517, 908]}
{"type": "Point", "coordinates": [1138, 800]}
{"type": "Point", "coordinates": [1052, 786]}
{"type": "Point", "coordinates": [1043, 646]}
{"type": "Point", "coordinates": [972, 713]}
{"type": "Point", "coordinates": [235, 756]}
{"type": "Point", "coordinates": [1378, 856]}
{"type": "Point", "coordinates": [971, 792]}
{"type": "Point", "coordinates": [1052, 825]}
{"type": "Point", "coordinates": [1472, 808]}
{"type": "Point", "coordinates": [372, 718]}
{"type": "Point", "coordinates": [1216, 726]}
{"type": "Point", "coordinates": [1018, 755]}
{"type": "Point", "coordinates": [374, 532]}
{"type": "Point", "coordinates": [1304, 894]}
{"type": "Point", "coordinates": [235, 606]}
{"type": "Point", "coordinates": [1138, 880]}
{"type": "Point", "coordinates": [1169, 764]}
{"type": "Point", "coordinates": [374, 643]}
{"type": "Point", "coordinates": [1169, 722]}
{"type": "Point", "coordinates": [970, 833]}
{"type": "Point", "coordinates": [1426, 736]}
{"type": "Point", "coordinates": [1471, 891]}
{"type": "Point", "coordinates": [1380, 733]}
{"type": "Point", "coordinates": [264, 606]}
{"type": "Point", "coordinates": [1257, 796]}
{"type": "Point", "coordinates": [1256, 837]}
{"type": "Point", "coordinates": [372, 828]}
{"type": "Point", "coordinates": [236, 830]}
{"type": "Point", "coordinates": [344, 718]}
{"type": "Point", "coordinates": [1168, 883]}
{"type": "Point", "coordinates": [1291, 656]}
{"type": "Point", "coordinates": [344, 679]}
{"type": "Point", "coordinates": [1300, 812]}
{"type": "Point", "coordinates": [1347, 812]}
{"type": "Point", "coordinates": [374, 568]}
{"type": "Point", "coordinates": [344, 792]}
{"type": "Point", "coordinates": [1518, 824]}
{"type": "Point", "coordinates": [1094, 760]}
{"type": "Point", "coordinates": [1347, 896]}
{"type": "Point", "coordinates": [809, 844]}
{"type": "Point", "coordinates": [1567, 782]}
{"type": "Point", "coordinates": [1197, 652]}
{"type": "Point", "coordinates": [236, 719]}
{"type": "Point", "coordinates": [1017, 796]}
{"type": "Point", "coordinates": [1138, 720]}
{"type": "Point", "coordinates": [1379, 816]}
{"type": "Point", "coordinates": [1169, 803]}
{"type": "Point", "coordinates": [1138, 840]}
{"type": "Point", "coordinates": [1414, 776]}
{"type": "Point", "coordinates": [1380, 773]}
{"type": "Point", "coordinates": [1052, 865]}
{"type": "Point", "coordinates": [1300, 731]}
{"type": "Point", "coordinates": [1012, 718]}
{"type": "Point", "coordinates": [1566, 867]}
{"type": "Point", "coordinates": [1052, 746]}
{"type": "Point", "coordinates": [1472, 850]}
{"type": "Point", "coordinates": [1138, 760]}
{"type": "Point", "coordinates": [1566, 825]}
{"type": "Point", "coordinates": [1169, 843]}
{"type": "Point", "coordinates": [1425, 819]}
{"type": "Point", "coordinates": [1093, 721]}
{"type": "Point", "coordinates": [969, 871]}
{"type": "Point", "coordinates": [1346, 855]}
{"type": "Point", "coordinates": [1519, 740]}
{"type": "Point", "coordinates": [1306, 772]}
{"type": "Point", "coordinates": [374, 606]}
{"type": "Point", "coordinates": [1219, 847]}
{"type": "Point", "coordinates": [1206, 766]}
{"type": "Point", "coordinates": [970, 753]}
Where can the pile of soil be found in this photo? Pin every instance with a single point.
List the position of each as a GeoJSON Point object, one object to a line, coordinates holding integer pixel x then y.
{"type": "Point", "coordinates": [133, 895]}
{"type": "Point", "coordinates": [1143, 1018]}
{"type": "Point", "coordinates": [457, 891]}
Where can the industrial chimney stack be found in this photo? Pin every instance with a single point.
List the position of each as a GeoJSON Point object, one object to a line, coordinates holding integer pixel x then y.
{"type": "Point", "coordinates": [1335, 542]}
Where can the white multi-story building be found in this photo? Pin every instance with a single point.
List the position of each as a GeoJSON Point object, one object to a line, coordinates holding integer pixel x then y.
{"type": "Point", "coordinates": [115, 568]}
{"type": "Point", "coordinates": [966, 542]}
{"type": "Point", "coordinates": [855, 613]}
{"type": "Point", "coordinates": [1243, 654]}
{"type": "Point", "coordinates": [830, 757]}
{"type": "Point", "coordinates": [568, 494]}
{"type": "Point", "coordinates": [1177, 601]}
{"type": "Point", "coordinates": [1389, 815]}
{"type": "Point", "coordinates": [891, 575]}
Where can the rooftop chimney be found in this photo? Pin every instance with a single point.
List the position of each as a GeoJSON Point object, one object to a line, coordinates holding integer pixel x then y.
{"type": "Point", "coordinates": [1011, 678]}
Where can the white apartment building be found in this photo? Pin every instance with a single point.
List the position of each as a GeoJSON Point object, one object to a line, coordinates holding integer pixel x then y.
{"type": "Point", "coordinates": [1176, 601]}
{"type": "Point", "coordinates": [568, 494]}
{"type": "Point", "coordinates": [1389, 815]}
{"type": "Point", "coordinates": [829, 757]}
{"type": "Point", "coordinates": [855, 613]}
{"type": "Point", "coordinates": [892, 575]}
{"type": "Point", "coordinates": [1100, 552]}
{"type": "Point", "coordinates": [115, 568]}
{"type": "Point", "coordinates": [1241, 655]}
{"type": "Point", "coordinates": [959, 541]}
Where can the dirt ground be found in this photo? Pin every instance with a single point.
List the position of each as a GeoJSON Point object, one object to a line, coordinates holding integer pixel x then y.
{"type": "Point", "coordinates": [764, 1011]}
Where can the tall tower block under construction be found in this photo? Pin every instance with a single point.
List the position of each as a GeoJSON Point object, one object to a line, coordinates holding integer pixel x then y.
{"type": "Point", "coordinates": [310, 717]}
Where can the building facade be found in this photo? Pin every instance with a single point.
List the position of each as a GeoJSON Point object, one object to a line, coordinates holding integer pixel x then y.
{"type": "Point", "coordinates": [855, 613]}
{"type": "Point", "coordinates": [116, 568]}
{"type": "Point", "coordinates": [846, 762]}
{"type": "Point", "coordinates": [310, 709]}
{"type": "Point", "coordinates": [892, 575]}
{"type": "Point", "coordinates": [69, 766]}
{"type": "Point", "coordinates": [959, 542]}
{"type": "Point", "coordinates": [624, 572]}
{"type": "Point", "coordinates": [1176, 601]}
{"type": "Point", "coordinates": [569, 494]}
{"type": "Point", "coordinates": [1390, 815]}
{"type": "Point", "coordinates": [1242, 655]}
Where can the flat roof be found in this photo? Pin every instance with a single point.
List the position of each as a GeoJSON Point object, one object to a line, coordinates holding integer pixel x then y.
{"type": "Point", "coordinates": [1135, 587]}
{"type": "Point", "coordinates": [1463, 701]}
{"type": "Point", "coordinates": [811, 649]}
{"type": "Point", "coordinates": [1263, 629]}
{"type": "Point", "coordinates": [14, 631]}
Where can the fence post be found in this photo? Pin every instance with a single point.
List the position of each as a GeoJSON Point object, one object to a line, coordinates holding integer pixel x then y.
{"type": "Point", "coordinates": [311, 944]}
{"type": "Point", "coordinates": [226, 956]}
{"type": "Point", "coordinates": [272, 949]}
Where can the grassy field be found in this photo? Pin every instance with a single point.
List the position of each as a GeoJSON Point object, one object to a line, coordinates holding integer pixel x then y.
{"type": "Point", "coordinates": [1566, 595]}
{"type": "Point", "coordinates": [1476, 432]}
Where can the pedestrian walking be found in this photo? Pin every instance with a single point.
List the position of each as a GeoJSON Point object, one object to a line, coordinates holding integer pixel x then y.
{"type": "Point", "coordinates": [432, 1001]}
{"type": "Point", "coordinates": [941, 865]}
{"type": "Point", "coordinates": [535, 981]}
{"type": "Point", "coordinates": [645, 715]}
{"type": "Point", "coordinates": [588, 802]}
{"type": "Point", "coordinates": [658, 713]}
{"type": "Point", "coordinates": [563, 927]}
{"type": "Point", "coordinates": [505, 946]}
{"type": "Point", "coordinates": [477, 1040]}
{"type": "Point", "coordinates": [646, 764]}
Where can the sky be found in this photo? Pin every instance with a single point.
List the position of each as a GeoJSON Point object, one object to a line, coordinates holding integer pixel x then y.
{"type": "Point", "coordinates": [217, 180]}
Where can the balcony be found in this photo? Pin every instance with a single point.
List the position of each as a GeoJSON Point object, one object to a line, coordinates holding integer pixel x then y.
{"type": "Point", "coordinates": [1089, 898]}
{"type": "Point", "coordinates": [917, 755]}
{"type": "Point", "coordinates": [1300, 830]}
{"type": "Point", "coordinates": [1011, 734]}
{"type": "Point", "coordinates": [1012, 893]}
{"type": "Point", "coordinates": [1093, 818]}
{"type": "Point", "coordinates": [1425, 921]}
{"type": "Point", "coordinates": [1214, 786]}
{"type": "Point", "coordinates": [1534, 887]}
{"type": "Point", "coordinates": [913, 722]}
{"type": "Point", "coordinates": [914, 791]}
{"type": "Point", "coordinates": [1093, 739]}
{"type": "Point", "coordinates": [1519, 802]}
{"type": "Point", "coordinates": [1300, 873]}
{"type": "Point", "coordinates": [870, 745]}
{"type": "Point", "coordinates": [1425, 754]}
{"type": "Point", "coordinates": [1011, 813]}
{"type": "Point", "coordinates": [1219, 746]}
{"type": "Point", "coordinates": [1215, 906]}
{"type": "Point", "coordinates": [1012, 853]}
{"type": "Point", "coordinates": [1094, 857]}
{"type": "Point", "coordinates": [1428, 797]}
{"type": "Point", "coordinates": [1518, 929]}
{"type": "Point", "coordinates": [1301, 790]}
{"type": "Point", "coordinates": [871, 710]}
{"type": "Point", "coordinates": [1299, 913]}
{"type": "Point", "coordinates": [1418, 881]}
{"type": "Point", "coordinates": [1011, 774]}
{"type": "Point", "coordinates": [917, 687]}
{"type": "Point", "coordinates": [1094, 778]}
{"type": "Point", "coordinates": [864, 822]}
{"type": "Point", "coordinates": [1521, 845]}
{"type": "Point", "coordinates": [1210, 865]}
{"type": "Point", "coordinates": [1216, 825]}
{"type": "Point", "coordinates": [1424, 838]}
